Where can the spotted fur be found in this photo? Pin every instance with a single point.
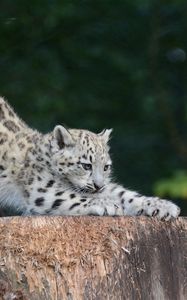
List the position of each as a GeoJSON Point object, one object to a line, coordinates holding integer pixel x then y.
{"type": "Point", "coordinates": [65, 172]}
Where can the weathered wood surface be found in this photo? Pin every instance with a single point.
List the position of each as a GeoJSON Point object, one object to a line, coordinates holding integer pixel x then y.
{"type": "Point", "coordinates": [77, 258]}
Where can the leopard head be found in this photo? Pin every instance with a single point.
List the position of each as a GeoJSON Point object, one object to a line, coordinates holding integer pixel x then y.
{"type": "Point", "coordinates": [82, 158]}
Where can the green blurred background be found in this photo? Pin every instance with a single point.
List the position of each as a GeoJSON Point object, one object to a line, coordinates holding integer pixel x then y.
{"type": "Point", "coordinates": [101, 64]}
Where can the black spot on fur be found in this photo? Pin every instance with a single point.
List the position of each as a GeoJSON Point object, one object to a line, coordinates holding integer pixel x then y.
{"type": "Point", "coordinates": [39, 169]}
{"type": "Point", "coordinates": [3, 176]}
{"type": "Point", "coordinates": [72, 196]}
{"type": "Point", "coordinates": [50, 183]}
{"type": "Point", "coordinates": [83, 200]}
{"type": "Point", "coordinates": [39, 158]}
{"type": "Point", "coordinates": [105, 212]}
{"type": "Point", "coordinates": [39, 178]}
{"type": "Point", "coordinates": [39, 201]}
{"type": "Point", "coordinates": [29, 139]}
{"type": "Point", "coordinates": [48, 163]}
{"type": "Point", "coordinates": [140, 212]}
{"type": "Point", "coordinates": [33, 212]}
{"type": "Point", "coordinates": [26, 194]}
{"type": "Point", "coordinates": [40, 190]}
{"type": "Point", "coordinates": [74, 205]}
{"type": "Point", "coordinates": [21, 145]}
{"type": "Point", "coordinates": [121, 194]}
{"type": "Point", "coordinates": [59, 193]}
{"type": "Point", "coordinates": [27, 164]}
{"type": "Point", "coordinates": [47, 154]}
{"type": "Point", "coordinates": [1, 168]}
{"type": "Point", "coordinates": [70, 164]}
{"type": "Point", "coordinates": [4, 157]}
{"type": "Point", "coordinates": [57, 203]}
{"type": "Point", "coordinates": [11, 126]}
{"type": "Point", "coordinates": [10, 112]}
{"type": "Point", "coordinates": [122, 201]}
{"type": "Point", "coordinates": [30, 181]}
{"type": "Point", "coordinates": [2, 115]}
{"type": "Point", "coordinates": [165, 216]}
{"type": "Point", "coordinates": [155, 213]}
{"type": "Point", "coordinates": [3, 138]}
{"type": "Point", "coordinates": [130, 200]}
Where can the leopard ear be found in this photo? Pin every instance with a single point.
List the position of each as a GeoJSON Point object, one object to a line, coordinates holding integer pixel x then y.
{"type": "Point", "coordinates": [62, 136]}
{"type": "Point", "coordinates": [105, 134]}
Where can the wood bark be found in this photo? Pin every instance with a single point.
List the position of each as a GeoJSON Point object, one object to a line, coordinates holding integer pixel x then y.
{"type": "Point", "coordinates": [82, 258]}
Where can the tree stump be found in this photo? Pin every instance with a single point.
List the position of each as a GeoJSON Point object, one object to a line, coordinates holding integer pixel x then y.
{"type": "Point", "coordinates": [76, 258]}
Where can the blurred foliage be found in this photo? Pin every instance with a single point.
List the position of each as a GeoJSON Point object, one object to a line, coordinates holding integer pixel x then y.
{"type": "Point", "coordinates": [98, 64]}
{"type": "Point", "coordinates": [175, 187]}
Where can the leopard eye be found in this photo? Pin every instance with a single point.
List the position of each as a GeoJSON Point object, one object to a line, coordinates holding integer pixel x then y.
{"type": "Point", "coordinates": [87, 167]}
{"type": "Point", "coordinates": [106, 167]}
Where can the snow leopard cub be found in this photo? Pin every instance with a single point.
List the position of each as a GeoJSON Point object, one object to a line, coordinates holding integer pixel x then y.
{"type": "Point", "coordinates": [65, 172]}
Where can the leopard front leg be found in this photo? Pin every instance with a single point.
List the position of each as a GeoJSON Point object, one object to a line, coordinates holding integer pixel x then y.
{"type": "Point", "coordinates": [135, 204]}
{"type": "Point", "coordinates": [113, 201]}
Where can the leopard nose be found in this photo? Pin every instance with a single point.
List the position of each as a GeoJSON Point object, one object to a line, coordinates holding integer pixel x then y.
{"type": "Point", "coordinates": [97, 187]}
